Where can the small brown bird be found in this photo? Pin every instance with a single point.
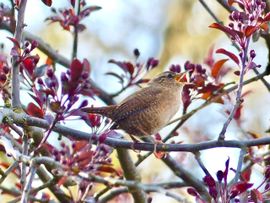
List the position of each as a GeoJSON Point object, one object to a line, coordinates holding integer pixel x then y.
{"type": "Point", "coordinates": [148, 110]}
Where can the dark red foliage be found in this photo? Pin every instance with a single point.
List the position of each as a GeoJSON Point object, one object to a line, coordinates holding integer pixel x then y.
{"type": "Point", "coordinates": [192, 192]}
{"type": "Point", "coordinates": [93, 120]}
{"type": "Point", "coordinates": [250, 19]}
{"type": "Point", "coordinates": [239, 188]}
{"type": "Point", "coordinates": [82, 157]}
{"type": "Point", "coordinates": [47, 2]}
{"type": "Point", "coordinates": [133, 72]}
{"type": "Point", "coordinates": [29, 64]}
{"type": "Point", "coordinates": [209, 181]}
{"type": "Point", "coordinates": [68, 18]}
{"type": "Point", "coordinates": [229, 54]}
{"type": "Point", "coordinates": [200, 83]}
{"type": "Point", "coordinates": [267, 173]}
{"type": "Point", "coordinates": [256, 196]}
{"type": "Point", "coordinates": [221, 189]}
{"type": "Point", "coordinates": [34, 110]}
{"type": "Point", "coordinates": [74, 82]}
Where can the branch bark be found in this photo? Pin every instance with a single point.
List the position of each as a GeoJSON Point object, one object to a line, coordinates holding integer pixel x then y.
{"type": "Point", "coordinates": [15, 80]}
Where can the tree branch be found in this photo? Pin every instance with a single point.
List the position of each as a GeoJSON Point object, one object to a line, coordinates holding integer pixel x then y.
{"type": "Point", "coordinates": [24, 119]}
{"type": "Point", "coordinates": [131, 173]}
{"type": "Point", "coordinates": [15, 80]}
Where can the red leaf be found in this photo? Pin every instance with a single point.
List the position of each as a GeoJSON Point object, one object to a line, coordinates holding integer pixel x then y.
{"type": "Point", "coordinates": [62, 180]}
{"type": "Point", "coordinates": [264, 26]}
{"type": "Point", "coordinates": [160, 155]}
{"type": "Point", "coordinates": [246, 174]}
{"type": "Point", "coordinates": [34, 110]}
{"type": "Point", "coordinates": [192, 192]}
{"type": "Point", "coordinates": [76, 69]}
{"type": "Point", "coordinates": [19, 186]}
{"type": "Point", "coordinates": [47, 2]}
{"type": "Point", "coordinates": [125, 66]}
{"type": "Point", "coordinates": [206, 95]}
{"type": "Point", "coordinates": [49, 61]}
{"type": "Point", "coordinates": [240, 187]}
{"type": "Point", "coordinates": [217, 67]}
{"type": "Point", "coordinates": [89, 10]}
{"type": "Point", "coordinates": [229, 54]}
{"type": "Point", "coordinates": [86, 66]}
{"type": "Point", "coordinates": [256, 196]}
{"type": "Point", "coordinates": [29, 65]}
{"type": "Point", "coordinates": [84, 158]}
{"type": "Point", "coordinates": [227, 30]}
{"type": "Point", "coordinates": [237, 114]}
{"type": "Point", "coordinates": [107, 169]}
{"type": "Point", "coordinates": [199, 80]}
{"type": "Point", "coordinates": [79, 145]}
{"type": "Point", "coordinates": [267, 17]}
{"type": "Point", "coordinates": [130, 68]}
{"type": "Point", "coordinates": [102, 137]}
{"type": "Point", "coordinates": [15, 42]}
{"type": "Point", "coordinates": [72, 3]}
{"type": "Point", "coordinates": [250, 30]}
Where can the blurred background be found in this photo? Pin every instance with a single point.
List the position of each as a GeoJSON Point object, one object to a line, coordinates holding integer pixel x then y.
{"type": "Point", "coordinates": [172, 31]}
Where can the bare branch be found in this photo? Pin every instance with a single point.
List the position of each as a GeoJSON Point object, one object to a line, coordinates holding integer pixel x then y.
{"type": "Point", "coordinates": [243, 151]}
{"type": "Point", "coordinates": [24, 119]}
{"type": "Point", "coordinates": [131, 173]}
{"type": "Point", "coordinates": [9, 170]}
{"type": "Point", "coordinates": [27, 188]}
{"type": "Point", "coordinates": [210, 11]}
{"type": "Point", "coordinates": [15, 84]}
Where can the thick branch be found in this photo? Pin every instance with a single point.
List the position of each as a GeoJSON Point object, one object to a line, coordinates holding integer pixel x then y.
{"type": "Point", "coordinates": [131, 173]}
{"type": "Point", "coordinates": [24, 119]}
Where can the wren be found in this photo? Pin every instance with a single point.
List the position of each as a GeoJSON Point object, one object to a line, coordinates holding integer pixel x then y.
{"type": "Point", "coordinates": [148, 110]}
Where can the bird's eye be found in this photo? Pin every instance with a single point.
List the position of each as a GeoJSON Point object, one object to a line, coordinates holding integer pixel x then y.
{"type": "Point", "coordinates": [170, 75]}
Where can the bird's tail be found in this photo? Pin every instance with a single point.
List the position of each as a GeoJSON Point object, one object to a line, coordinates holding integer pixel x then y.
{"type": "Point", "coordinates": [104, 111]}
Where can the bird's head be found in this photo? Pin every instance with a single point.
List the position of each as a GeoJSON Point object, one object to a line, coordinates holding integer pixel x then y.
{"type": "Point", "coordinates": [170, 79]}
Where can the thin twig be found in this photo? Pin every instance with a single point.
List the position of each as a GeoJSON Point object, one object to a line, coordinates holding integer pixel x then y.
{"type": "Point", "coordinates": [238, 93]}
{"type": "Point", "coordinates": [43, 186]}
{"type": "Point", "coordinates": [264, 81]}
{"type": "Point", "coordinates": [9, 170]}
{"type": "Point", "coordinates": [210, 11]}
{"type": "Point", "coordinates": [27, 187]}
{"type": "Point", "coordinates": [15, 84]}
{"type": "Point", "coordinates": [198, 159]}
{"type": "Point", "coordinates": [242, 154]}
{"type": "Point", "coordinates": [75, 33]}
{"type": "Point", "coordinates": [23, 165]}
{"type": "Point", "coordinates": [17, 194]}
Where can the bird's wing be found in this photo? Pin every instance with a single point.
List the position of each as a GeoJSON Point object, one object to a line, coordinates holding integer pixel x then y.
{"type": "Point", "coordinates": [138, 102]}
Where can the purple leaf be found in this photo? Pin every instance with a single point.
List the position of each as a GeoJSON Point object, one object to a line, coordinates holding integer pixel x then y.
{"type": "Point", "coordinates": [229, 54]}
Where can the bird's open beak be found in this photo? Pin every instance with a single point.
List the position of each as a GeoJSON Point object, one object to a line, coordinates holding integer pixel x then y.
{"type": "Point", "coordinates": [182, 78]}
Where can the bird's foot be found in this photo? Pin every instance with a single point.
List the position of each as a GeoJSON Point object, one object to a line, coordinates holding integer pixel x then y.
{"type": "Point", "coordinates": [135, 141]}
{"type": "Point", "coordinates": [158, 154]}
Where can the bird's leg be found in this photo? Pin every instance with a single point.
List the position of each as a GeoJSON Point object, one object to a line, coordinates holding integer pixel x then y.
{"type": "Point", "coordinates": [157, 140]}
